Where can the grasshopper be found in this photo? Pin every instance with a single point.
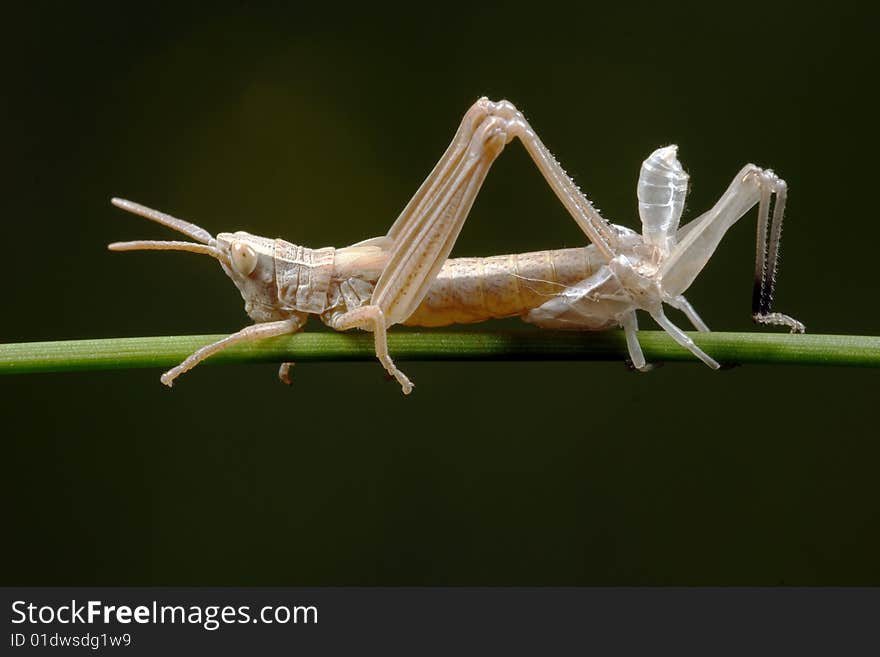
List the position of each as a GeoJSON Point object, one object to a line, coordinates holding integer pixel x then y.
{"type": "Point", "coordinates": [405, 276]}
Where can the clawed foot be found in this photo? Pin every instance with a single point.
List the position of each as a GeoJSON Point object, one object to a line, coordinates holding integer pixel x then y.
{"type": "Point", "coordinates": [647, 367]}
{"type": "Point", "coordinates": [778, 319]}
{"type": "Point", "coordinates": [405, 384]}
{"type": "Point", "coordinates": [168, 377]}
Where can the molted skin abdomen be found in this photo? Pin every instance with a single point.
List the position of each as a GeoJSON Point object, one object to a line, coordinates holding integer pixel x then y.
{"type": "Point", "coordinates": [661, 191]}
{"type": "Point", "coordinates": [469, 290]}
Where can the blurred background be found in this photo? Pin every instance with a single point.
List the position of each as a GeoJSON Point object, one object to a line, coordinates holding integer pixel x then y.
{"type": "Point", "coordinates": [317, 126]}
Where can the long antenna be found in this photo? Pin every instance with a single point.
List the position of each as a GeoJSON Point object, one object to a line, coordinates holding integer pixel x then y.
{"type": "Point", "coordinates": [190, 230]}
{"type": "Point", "coordinates": [156, 245]}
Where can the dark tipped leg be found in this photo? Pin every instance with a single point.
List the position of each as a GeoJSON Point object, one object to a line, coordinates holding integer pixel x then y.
{"type": "Point", "coordinates": [767, 253]}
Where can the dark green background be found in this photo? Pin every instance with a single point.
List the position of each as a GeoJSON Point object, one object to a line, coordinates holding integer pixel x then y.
{"type": "Point", "coordinates": [318, 126]}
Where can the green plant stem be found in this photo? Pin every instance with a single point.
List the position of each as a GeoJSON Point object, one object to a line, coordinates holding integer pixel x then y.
{"type": "Point", "coordinates": [164, 352]}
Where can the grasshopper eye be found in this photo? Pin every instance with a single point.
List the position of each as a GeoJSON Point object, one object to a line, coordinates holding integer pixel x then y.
{"type": "Point", "coordinates": [244, 259]}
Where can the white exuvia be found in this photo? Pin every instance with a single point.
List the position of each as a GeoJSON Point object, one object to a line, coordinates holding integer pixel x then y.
{"type": "Point", "coordinates": [661, 191]}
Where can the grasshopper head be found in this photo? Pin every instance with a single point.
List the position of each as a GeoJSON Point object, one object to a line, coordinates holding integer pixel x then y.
{"type": "Point", "coordinates": [247, 259]}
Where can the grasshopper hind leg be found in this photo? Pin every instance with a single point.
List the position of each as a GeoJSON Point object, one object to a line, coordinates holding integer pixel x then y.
{"type": "Point", "coordinates": [697, 241]}
{"type": "Point", "coordinates": [767, 254]}
{"type": "Point", "coordinates": [423, 235]}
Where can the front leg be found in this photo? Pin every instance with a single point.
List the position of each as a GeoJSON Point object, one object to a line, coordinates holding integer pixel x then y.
{"type": "Point", "coordinates": [247, 334]}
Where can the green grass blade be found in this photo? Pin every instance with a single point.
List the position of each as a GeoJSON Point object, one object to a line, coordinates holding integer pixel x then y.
{"type": "Point", "coordinates": [164, 352]}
